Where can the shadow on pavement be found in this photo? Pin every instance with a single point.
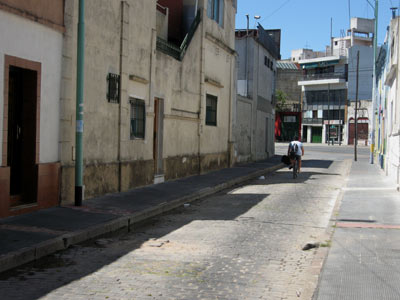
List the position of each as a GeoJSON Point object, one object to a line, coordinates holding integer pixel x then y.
{"type": "Point", "coordinates": [31, 280]}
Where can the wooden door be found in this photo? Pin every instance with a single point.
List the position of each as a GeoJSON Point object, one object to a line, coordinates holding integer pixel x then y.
{"type": "Point", "coordinates": [21, 139]}
{"type": "Point", "coordinates": [158, 136]}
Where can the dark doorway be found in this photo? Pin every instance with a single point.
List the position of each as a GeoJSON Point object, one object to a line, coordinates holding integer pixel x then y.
{"type": "Point", "coordinates": [21, 140]}
{"type": "Point", "coordinates": [305, 134]}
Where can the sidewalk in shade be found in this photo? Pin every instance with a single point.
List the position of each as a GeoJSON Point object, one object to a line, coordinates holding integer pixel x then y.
{"type": "Point", "coordinates": [364, 258]}
{"type": "Point", "coordinates": [28, 237]}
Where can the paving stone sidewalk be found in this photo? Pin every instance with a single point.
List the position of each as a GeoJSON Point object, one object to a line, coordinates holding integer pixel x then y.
{"type": "Point", "coordinates": [364, 261]}
{"type": "Point", "coordinates": [31, 236]}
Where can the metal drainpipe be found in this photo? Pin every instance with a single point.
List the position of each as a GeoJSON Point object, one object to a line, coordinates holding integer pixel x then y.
{"type": "Point", "coordinates": [247, 58]}
{"type": "Point", "coordinates": [371, 158]}
{"type": "Point", "coordinates": [202, 85]}
{"type": "Point", "coordinates": [397, 89]}
{"type": "Point", "coordinates": [120, 98]}
{"type": "Point", "coordinates": [79, 188]}
{"type": "Point", "coordinates": [230, 119]}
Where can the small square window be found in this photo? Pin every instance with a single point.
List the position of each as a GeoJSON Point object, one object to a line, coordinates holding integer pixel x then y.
{"type": "Point", "coordinates": [211, 110]}
{"type": "Point", "coordinates": [113, 88]}
{"type": "Point", "coordinates": [138, 118]}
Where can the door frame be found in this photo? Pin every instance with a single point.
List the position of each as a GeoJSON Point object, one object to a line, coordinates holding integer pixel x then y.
{"type": "Point", "coordinates": [5, 180]}
{"type": "Point", "coordinates": [158, 135]}
{"type": "Point", "coordinates": [12, 61]}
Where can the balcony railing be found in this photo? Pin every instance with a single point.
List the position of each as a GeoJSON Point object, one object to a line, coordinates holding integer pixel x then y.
{"type": "Point", "coordinates": [312, 121]}
{"type": "Point", "coordinates": [168, 48]}
{"type": "Point", "coordinates": [325, 76]}
{"type": "Point", "coordinates": [175, 51]}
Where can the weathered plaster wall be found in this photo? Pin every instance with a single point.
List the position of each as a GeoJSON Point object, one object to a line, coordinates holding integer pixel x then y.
{"type": "Point", "coordinates": [36, 42]}
{"type": "Point", "coordinates": [242, 129]}
{"type": "Point", "coordinates": [146, 73]}
{"type": "Point", "coordinates": [287, 81]}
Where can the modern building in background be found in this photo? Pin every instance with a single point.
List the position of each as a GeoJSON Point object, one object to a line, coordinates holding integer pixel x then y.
{"type": "Point", "coordinates": [30, 85]}
{"type": "Point", "coordinates": [324, 88]}
{"type": "Point", "coordinates": [288, 117]}
{"type": "Point", "coordinates": [387, 136]}
{"type": "Point", "coordinates": [258, 51]}
{"type": "Point", "coordinates": [329, 87]}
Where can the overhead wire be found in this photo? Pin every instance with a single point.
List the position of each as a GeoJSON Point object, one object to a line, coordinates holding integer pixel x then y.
{"type": "Point", "coordinates": [275, 11]}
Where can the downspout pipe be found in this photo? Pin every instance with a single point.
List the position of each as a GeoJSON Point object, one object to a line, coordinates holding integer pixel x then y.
{"type": "Point", "coordinates": [79, 188]}
{"type": "Point", "coordinates": [121, 47]}
{"type": "Point", "coordinates": [247, 57]}
{"type": "Point", "coordinates": [372, 151]}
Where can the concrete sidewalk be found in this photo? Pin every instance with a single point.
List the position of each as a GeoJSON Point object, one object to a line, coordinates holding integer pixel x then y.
{"type": "Point", "coordinates": [31, 236]}
{"type": "Point", "coordinates": [364, 259]}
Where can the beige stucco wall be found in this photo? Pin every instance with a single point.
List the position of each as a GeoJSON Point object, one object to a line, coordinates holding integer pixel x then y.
{"type": "Point", "coordinates": [32, 41]}
{"type": "Point", "coordinates": [146, 74]}
{"type": "Point", "coordinates": [257, 141]}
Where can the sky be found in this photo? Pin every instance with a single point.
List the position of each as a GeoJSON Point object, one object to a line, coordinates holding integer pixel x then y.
{"type": "Point", "coordinates": [307, 23]}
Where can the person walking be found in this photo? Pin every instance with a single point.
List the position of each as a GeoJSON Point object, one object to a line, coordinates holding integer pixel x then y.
{"type": "Point", "coordinates": [295, 152]}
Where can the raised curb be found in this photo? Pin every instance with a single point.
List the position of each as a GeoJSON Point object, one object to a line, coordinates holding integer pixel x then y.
{"type": "Point", "coordinates": [29, 254]}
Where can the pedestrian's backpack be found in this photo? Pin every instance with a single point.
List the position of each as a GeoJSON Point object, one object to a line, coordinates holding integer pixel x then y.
{"type": "Point", "coordinates": [293, 149]}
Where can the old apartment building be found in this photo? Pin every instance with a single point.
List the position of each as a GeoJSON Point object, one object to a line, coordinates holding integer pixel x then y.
{"type": "Point", "coordinates": [30, 85]}
{"type": "Point", "coordinates": [387, 110]}
{"type": "Point", "coordinates": [158, 86]}
{"type": "Point", "coordinates": [158, 89]}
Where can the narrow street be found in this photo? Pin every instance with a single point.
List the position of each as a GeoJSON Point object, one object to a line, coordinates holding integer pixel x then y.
{"type": "Point", "coordinates": [243, 243]}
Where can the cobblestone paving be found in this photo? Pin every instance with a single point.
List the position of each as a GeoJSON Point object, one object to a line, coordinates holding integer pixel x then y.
{"type": "Point", "coordinates": [241, 244]}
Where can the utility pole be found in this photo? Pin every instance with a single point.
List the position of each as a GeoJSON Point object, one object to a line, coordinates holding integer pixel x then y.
{"type": "Point", "coordinates": [355, 110]}
{"type": "Point", "coordinates": [79, 106]}
{"type": "Point", "coordinates": [372, 150]}
{"type": "Point", "coordinates": [340, 121]}
{"type": "Point", "coordinates": [329, 117]}
{"type": "Point", "coordinates": [331, 39]}
{"type": "Point", "coordinates": [247, 57]}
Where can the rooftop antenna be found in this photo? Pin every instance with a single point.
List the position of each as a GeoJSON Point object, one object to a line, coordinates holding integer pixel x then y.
{"type": "Point", "coordinates": [393, 12]}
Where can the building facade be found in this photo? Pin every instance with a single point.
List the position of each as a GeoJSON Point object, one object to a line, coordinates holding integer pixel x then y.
{"type": "Point", "coordinates": [288, 117]}
{"type": "Point", "coordinates": [332, 83]}
{"type": "Point", "coordinates": [253, 127]}
{"type": "Point", "coordinates": [30, 87]}
{"type": "Point", "coordinates": [159, 80]}
{"type": "Point", "coordinates": [387, 112]}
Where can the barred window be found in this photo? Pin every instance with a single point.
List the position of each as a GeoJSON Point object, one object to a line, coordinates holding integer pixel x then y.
{"type": "Point", "coordinates": [211, 110]}
{"type": "Point", "coordinates": [138, 118]}
{"type": "Point", "coordinates": [113, 88]}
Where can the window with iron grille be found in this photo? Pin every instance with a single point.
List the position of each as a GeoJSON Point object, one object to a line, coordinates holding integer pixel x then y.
{"type": "Point", "coordinates": [138, 118]}
{"type": "Point", "coordinates": [211, 110]}
{"type": "Point", "coordinates": [113, 81]}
